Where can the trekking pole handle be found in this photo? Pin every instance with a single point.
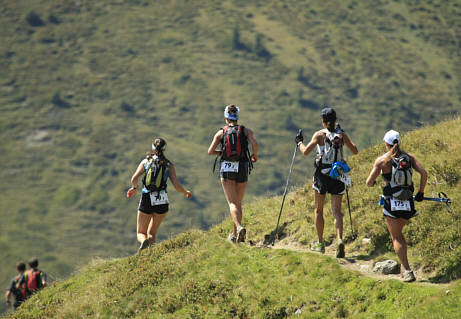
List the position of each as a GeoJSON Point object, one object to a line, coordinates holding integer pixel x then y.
{"type": "Point", "coordinates": [443, 198]}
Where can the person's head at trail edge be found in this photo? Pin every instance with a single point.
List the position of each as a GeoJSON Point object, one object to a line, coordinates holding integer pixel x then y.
{"type": "Point", "coordinates": [20, 267]}
{"type": "Point", "coordinates": [231, 113]}
{"type": "Point", "coordinates": [328, 118]}
{"type": "Point", "coordinates": [33, 263]}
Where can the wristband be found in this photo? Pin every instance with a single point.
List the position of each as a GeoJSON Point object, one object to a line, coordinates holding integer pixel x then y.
{"type": "Point", "coordinates": [300, 142]}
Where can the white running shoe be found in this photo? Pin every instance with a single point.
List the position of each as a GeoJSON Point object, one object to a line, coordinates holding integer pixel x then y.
{"type": "Point", "coordinates": [241, 232]}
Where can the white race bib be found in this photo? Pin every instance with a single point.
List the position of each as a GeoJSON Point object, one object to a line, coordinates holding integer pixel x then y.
{"type": "Point", "coordinates": [397, 204]}
{"type": "Point", "coordinates": [345, 179]}
{"type": "Point", "coordinates": [158, 199]}
{"type": "Point", "coordinates": [229, 167]}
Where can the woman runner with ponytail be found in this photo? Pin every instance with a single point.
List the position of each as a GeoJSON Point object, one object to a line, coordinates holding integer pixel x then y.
{"type": "Point", "coordinates": [153, 206]}
{"type": "Point", "coordinates": [396, 217]}
{"type": "Point", "coordinates": [322, 182]}
{"type": "Point", "coordinates": [234, 168]}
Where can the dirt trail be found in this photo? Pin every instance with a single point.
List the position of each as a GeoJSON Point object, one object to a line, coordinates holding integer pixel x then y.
{"type": "Point", "coordinates": [352, 261]}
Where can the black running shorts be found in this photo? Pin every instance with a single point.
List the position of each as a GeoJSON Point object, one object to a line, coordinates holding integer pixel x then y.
{"type": "Point", "coordinates": [240, 177]}
{"type": "Point", "coordinates": [398, 213]}
{"type": "Point", "coordinates": [323, 183]}
{"type": "Point", "coordinates": [146, 207]}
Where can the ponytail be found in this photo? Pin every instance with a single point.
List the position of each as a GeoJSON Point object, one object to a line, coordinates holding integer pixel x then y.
{"type": "Point", "coordinates": [158, 147]}
{"type": "Point", "coordinates": [395, 150]}
{"type": "Point", "coordinates": [330, 126]}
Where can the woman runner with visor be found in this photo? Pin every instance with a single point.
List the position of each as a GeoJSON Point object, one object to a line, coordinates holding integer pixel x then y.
{"type": "Point", "coordinates": [153, 206]}
{"type": "Point", "coordinates": [235, 164]}
{"type": "Point", "coordinates": [398, 204]}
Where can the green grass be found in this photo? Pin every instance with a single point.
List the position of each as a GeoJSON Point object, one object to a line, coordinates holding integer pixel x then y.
{"type": "Point", "coordinates": [82, 96]}
{"type": "Point", "coordinates": [200, 274]}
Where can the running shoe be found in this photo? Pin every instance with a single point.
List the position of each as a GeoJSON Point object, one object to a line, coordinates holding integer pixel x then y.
{"type": "Point", "coordinates": [318, 247]}
{"type": "Point", "coordinates": [408, 276]}
{"type": "Point", "coordinates": [241, 232]}
{"type": "Point", "coordinates": [144, 244]}
{"type": "Point", "coordinates": [340, 249]}
{"type": "Point", "coordinates": [232, 238]}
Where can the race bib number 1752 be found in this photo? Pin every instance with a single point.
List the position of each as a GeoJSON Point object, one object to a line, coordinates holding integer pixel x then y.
{"type": "Point", "coordinates": [400, 205]}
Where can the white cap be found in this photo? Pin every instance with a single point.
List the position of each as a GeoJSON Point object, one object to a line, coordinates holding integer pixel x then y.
{"type": "Point", "coordinates": [391, 136]}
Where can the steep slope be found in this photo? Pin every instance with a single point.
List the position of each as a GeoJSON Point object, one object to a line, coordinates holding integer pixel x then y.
{"type": "Point", "coordinates": [87, 84]}
{"type": "Point", "coordinates": [201, 275]}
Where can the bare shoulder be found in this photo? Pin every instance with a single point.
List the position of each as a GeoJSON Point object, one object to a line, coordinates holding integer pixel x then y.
{"type": "Point", "coordinates": [219, 133]}
{"type": "Point", "coordinates": [319, 136]}
{"type": "Point", "coordinates": [381, 161]}
{"type": "Point", "coordinates": [247, 131]}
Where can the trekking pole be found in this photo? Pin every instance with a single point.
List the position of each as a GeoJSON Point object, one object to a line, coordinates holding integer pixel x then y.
{"type": "Point", "coordinates": [441, 199]}
{"type": "Point", "coordinates": [285, 192]}
{"type": "Point", "coordinates": [350, 215]}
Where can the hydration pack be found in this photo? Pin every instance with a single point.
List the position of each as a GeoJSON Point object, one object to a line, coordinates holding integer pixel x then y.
{"type": "Point", "coordinates": [156, 175]}
{"type": "Point", "coordinates": [20, 287]}
{"type": "Point", "coordinates": [401, 183]}
{"type": "Point", "coordinates": [234, 143]}
{"type": "Point", "coordinates": [332, 152]}
{"type": "Point", "coordinates": [33, 279]}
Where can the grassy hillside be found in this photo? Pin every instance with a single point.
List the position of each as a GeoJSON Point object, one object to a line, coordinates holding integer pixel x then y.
{"type": "Point", "coordinates": [87, 84]}
{"type": "Point", "coordinates": [201, 275]}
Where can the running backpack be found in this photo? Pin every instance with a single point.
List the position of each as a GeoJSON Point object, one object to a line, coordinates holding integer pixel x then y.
{"type": "Point", "coordinates": [33, 279]}
{"type": "Point", "coordinates": [21, 287]}
{"type": "Point", "coordinates": [156, 175]}
{"type": "Point", "coordinates": [401, 183]}
{"type": "Point", "coordinates": [234, 144]}
{"type": "Point", "coordinates": [333, 150]}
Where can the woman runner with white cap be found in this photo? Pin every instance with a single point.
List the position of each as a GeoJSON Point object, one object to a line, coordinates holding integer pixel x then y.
{"type": "Point", "coordinates": [398, 205]}
{"type": "Point", "coordinates": [235, 164]}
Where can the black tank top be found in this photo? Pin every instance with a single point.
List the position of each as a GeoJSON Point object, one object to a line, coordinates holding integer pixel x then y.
{"type": "Point", "coordinates": [387, 176]}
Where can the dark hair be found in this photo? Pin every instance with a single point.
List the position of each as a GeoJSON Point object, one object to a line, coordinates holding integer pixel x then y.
{"type": "Point", "coordinates": [329, 118]}
{"type": "Point", "coordinates": [33, 262]}
{"type": "Point", "coordinates": [160, 145]}
{"type": "Point", "coordinates": [330, 125]}
{"type": "Point", "coordinates": [20, 266]}
{"type": "Point", "coordinates": [232, 109]}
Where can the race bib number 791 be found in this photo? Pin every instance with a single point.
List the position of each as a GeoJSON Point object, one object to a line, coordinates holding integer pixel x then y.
{"type": "Point", "coordinates": [230, 167]}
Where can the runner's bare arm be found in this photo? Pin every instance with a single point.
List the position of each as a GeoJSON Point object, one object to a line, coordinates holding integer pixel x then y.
{"type": "Point", "coordinates": [306, 149]}
{"type": "Point", "coordinates": [420, 169]}
{"type": "Point", "coordinates": [7, 296]}
{"type": "Point", "coordinates": [350, 145]}
{"type": "Point", "coordinates": [254, 144]}
{"type": "Point", "coordinates": [216, 140]}
{"type": "Point", "coordinates": [371, 180]}
{"type": "Point", "coordinates": [176, 184]}
{"type": "Point", "coordinates": [134, 180]}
